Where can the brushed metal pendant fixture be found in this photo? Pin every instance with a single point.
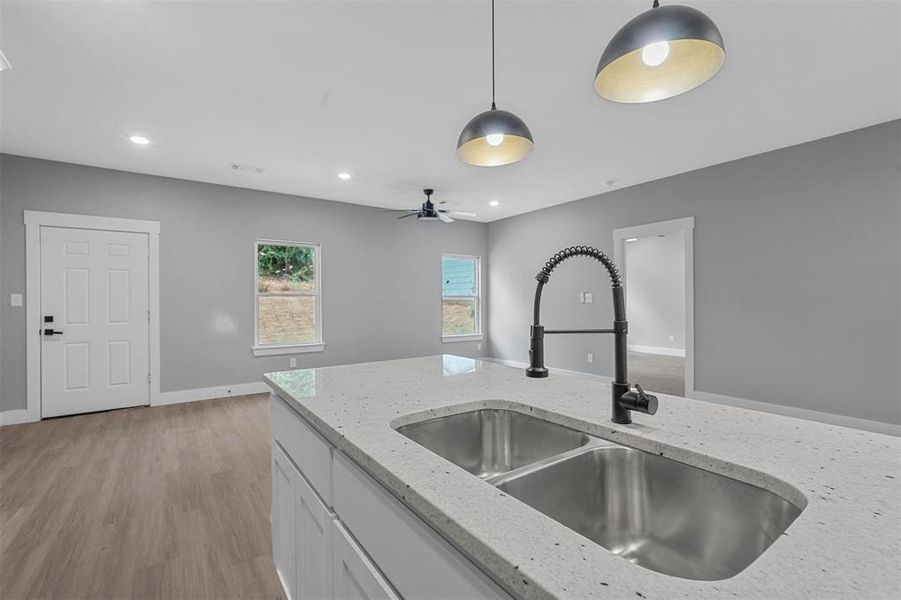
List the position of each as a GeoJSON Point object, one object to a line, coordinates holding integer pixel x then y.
{"type": "Point", "coordinates": [661, 53]}
{"type": "Point", "coordinates": [495, 137]}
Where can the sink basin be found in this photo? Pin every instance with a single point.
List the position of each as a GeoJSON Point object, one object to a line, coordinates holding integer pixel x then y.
{"type": "Point", "coordinates": [658, 513]}
{"type": "Point", "coordinates": [491, 442]}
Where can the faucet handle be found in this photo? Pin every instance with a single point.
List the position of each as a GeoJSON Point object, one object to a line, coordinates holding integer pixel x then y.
{"type": "Point", "coordinates": [640, 401]}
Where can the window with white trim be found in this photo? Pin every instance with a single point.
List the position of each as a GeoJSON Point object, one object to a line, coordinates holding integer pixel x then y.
{"type": "Point", "coordinates": [460, 296]}
{"type": "Point", "coordinates": [287, 301]}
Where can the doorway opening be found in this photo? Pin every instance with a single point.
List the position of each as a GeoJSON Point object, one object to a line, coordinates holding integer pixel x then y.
{"type": "Point", "coordinates": [655, 260]}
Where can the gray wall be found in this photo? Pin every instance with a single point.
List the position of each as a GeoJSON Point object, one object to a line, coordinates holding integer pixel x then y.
{"type": "Point", "coordinates": [797, 274]}
{"type": "Point", "coordinates": [381, 280]}
{"type": "Point", "coordinates": [655, 291]}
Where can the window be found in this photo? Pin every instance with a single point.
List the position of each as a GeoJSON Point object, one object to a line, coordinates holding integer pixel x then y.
{"type": "Point", "coordinates": [287, 303]}
{"type": "Point", "coordinates": [460, 301]}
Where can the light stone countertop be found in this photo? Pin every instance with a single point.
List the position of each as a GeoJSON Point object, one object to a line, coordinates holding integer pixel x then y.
{"type": "Point", "coordinates": [845, 544]}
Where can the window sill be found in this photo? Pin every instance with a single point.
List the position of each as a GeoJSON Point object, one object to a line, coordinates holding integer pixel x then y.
{"type": "Point", "coordinates": [294, 349]}
{"type": "Point", "coordinates": [476, 337]}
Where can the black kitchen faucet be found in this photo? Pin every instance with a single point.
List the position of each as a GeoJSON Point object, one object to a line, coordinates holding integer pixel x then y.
{"type": "Point", "coordinates": [624, 399]}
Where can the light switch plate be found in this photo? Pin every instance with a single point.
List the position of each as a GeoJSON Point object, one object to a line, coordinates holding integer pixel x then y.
{"type": "Point", "coordinates": [15, 299]}
{"type": "Point", "coordinates": [588, 297]}
{"type": "Point", "coordinates": [292, 363]}
{"type": "Point", "coordinates": [591, 357]}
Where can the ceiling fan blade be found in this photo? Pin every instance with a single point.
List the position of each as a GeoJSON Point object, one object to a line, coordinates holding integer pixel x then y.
{"type": "Point", "coordinates": [462, 213]}
{"type": "Point", "coordinates": [407, 215]}
{"type": "Point", "coordinates": [443, 216]}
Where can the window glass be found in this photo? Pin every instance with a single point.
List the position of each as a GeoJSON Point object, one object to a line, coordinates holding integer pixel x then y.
{"type": "Point", "coordinates": [460, 295]}
{"type": "Point", "coordinates": [287, 294]}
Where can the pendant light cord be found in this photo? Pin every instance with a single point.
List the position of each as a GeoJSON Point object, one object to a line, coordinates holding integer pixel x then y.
{"type": "Point", "coordinates": [493, 105]}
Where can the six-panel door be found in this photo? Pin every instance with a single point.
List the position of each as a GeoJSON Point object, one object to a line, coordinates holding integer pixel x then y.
{"type": "Point", "coordinates": [95, 351]}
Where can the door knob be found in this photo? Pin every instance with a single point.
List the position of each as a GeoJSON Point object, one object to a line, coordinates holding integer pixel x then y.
{"type": "Point", "coordinates": [52, 332]}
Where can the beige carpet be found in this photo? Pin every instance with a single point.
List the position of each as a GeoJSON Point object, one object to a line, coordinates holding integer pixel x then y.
{"type": "Point", "coordinates": [658, 373]}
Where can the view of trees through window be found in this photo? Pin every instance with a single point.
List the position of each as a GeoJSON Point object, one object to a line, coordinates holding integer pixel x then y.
{"type": "Point", "coordinates": [285, 268]}
{"type": "Point", "coordinates": [287, 294]}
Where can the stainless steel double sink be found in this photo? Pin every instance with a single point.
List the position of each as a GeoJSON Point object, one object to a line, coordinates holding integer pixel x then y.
{"type": "Point", "coordinates": [656, 512]}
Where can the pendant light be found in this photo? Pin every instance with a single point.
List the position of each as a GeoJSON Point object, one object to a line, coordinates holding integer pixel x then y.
{"type": "Point", "coordinates": [661, 53]}
{"type": "Point", "coordinates": [494, 137]}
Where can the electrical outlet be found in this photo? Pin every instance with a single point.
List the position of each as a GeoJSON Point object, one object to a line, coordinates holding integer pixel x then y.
{"type": "Point", "coordinates": [590, 357]}
{"type": "Point", "coordinates": [479, 346]}
{"type": "Point", "coordinates": [15, 299]}
{"type": "Point", "coordinates": [293, 363]}
{"type": "Point", "coordinates": [672, 339]}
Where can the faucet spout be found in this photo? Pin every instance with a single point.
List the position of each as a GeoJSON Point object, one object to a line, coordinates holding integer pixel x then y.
{"type": "Point", "coordinates": [624, 400]}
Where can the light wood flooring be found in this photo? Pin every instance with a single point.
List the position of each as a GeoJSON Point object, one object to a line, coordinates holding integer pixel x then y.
{"type": "Point", "coordinates": [163, 502]}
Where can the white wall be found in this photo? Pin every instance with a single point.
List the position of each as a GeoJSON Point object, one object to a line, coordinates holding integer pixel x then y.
{"type": "Point", "coordinates": [655, 292]}
{"type": "Point", "coordinates": [381, 278]}
{"type": "Point", "coordinates": [797, 268]}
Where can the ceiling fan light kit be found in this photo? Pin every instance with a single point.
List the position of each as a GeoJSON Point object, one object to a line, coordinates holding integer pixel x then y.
{"type": "Point", "coordinates": [663, 52]}
{"type": "Point", "coordinates": [428, 212]}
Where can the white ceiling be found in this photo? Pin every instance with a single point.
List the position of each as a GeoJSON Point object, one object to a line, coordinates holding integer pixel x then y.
{"type": "Point", "coordinates": [381, 89]}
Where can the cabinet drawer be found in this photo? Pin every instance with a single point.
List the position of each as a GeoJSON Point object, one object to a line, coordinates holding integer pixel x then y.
{"type": "Point", "coordinates": [419, 563]}
{"type": "Point", "coordinates": [308, 450]}
{"type": "Point", "coordinates": [355, 575]}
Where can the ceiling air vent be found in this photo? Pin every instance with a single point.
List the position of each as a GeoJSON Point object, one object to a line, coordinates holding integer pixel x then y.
{"type": "Point", "coordinates": [246, 168]}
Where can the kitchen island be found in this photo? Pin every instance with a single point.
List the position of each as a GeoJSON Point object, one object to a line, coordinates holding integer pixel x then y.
{"type": "Point", "coordinates": [844, 544]}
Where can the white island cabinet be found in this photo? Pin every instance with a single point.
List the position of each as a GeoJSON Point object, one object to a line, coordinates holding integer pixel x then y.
{"type": "Point", "coordinates": [337, 533]}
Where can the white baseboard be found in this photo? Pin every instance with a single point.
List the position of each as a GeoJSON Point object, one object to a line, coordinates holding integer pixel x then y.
{"type": "Point", "coordinates": [768, 407]}
{"type": "Point", "coordinates": [800, 413]}
{"type": "Point", "coordinates": [657, 350]}
{"type": "Point", "coordinates": [14, 417]}
{"type": "Point", "coordinates": [220, 391]}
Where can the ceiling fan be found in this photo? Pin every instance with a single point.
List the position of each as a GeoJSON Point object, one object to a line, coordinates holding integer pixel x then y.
{"type": "Point", "coordinates": [428, 212]}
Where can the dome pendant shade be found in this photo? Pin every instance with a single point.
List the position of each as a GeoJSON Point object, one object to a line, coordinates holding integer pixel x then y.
{"type": "Point", "coordinates": [661, 53]}
{"type": "Point", "coordinates": [494, 138]}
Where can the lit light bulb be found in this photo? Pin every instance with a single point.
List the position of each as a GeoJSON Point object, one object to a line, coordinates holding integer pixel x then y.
{"type": "Point", "coordinates": [654, 54]}
{"type": "Point", "coordinates": [494, 139]}
{"type": "Point", "coordinates": [140, 140]}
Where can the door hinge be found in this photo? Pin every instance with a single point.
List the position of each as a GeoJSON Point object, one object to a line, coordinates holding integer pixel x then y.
{"type": "Point", "coordinates": [148, 316]}
{"type": "Point", "coordinates": [148, 377]}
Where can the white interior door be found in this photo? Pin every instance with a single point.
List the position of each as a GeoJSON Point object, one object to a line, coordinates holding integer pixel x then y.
{"type": "Point", "coordinates": [95, 352]}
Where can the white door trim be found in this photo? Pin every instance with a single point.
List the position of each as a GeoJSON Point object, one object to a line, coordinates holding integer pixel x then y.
{"type": "Point", "coordinates": [686, 226]}
{"type": "Point", "coordinates": [34, 220]}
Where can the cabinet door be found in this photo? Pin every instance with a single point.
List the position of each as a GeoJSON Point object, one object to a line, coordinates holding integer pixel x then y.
{"type": "Point", "coordinates": [284, 552]}
{"type": "Point", "coordinates": [356, 578]}
{"type": "Point", "coordinates": [313, 524]}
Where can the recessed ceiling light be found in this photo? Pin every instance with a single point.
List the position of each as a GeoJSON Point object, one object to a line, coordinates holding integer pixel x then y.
{"type": "Point", "coordinates": [494, 203]}
{"type": "Point", "coordinates": [140, 140]}
{"type": "Point", "coordinates": [344, 176]}
{"type": "Point", "coordinates": [631, 239]}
